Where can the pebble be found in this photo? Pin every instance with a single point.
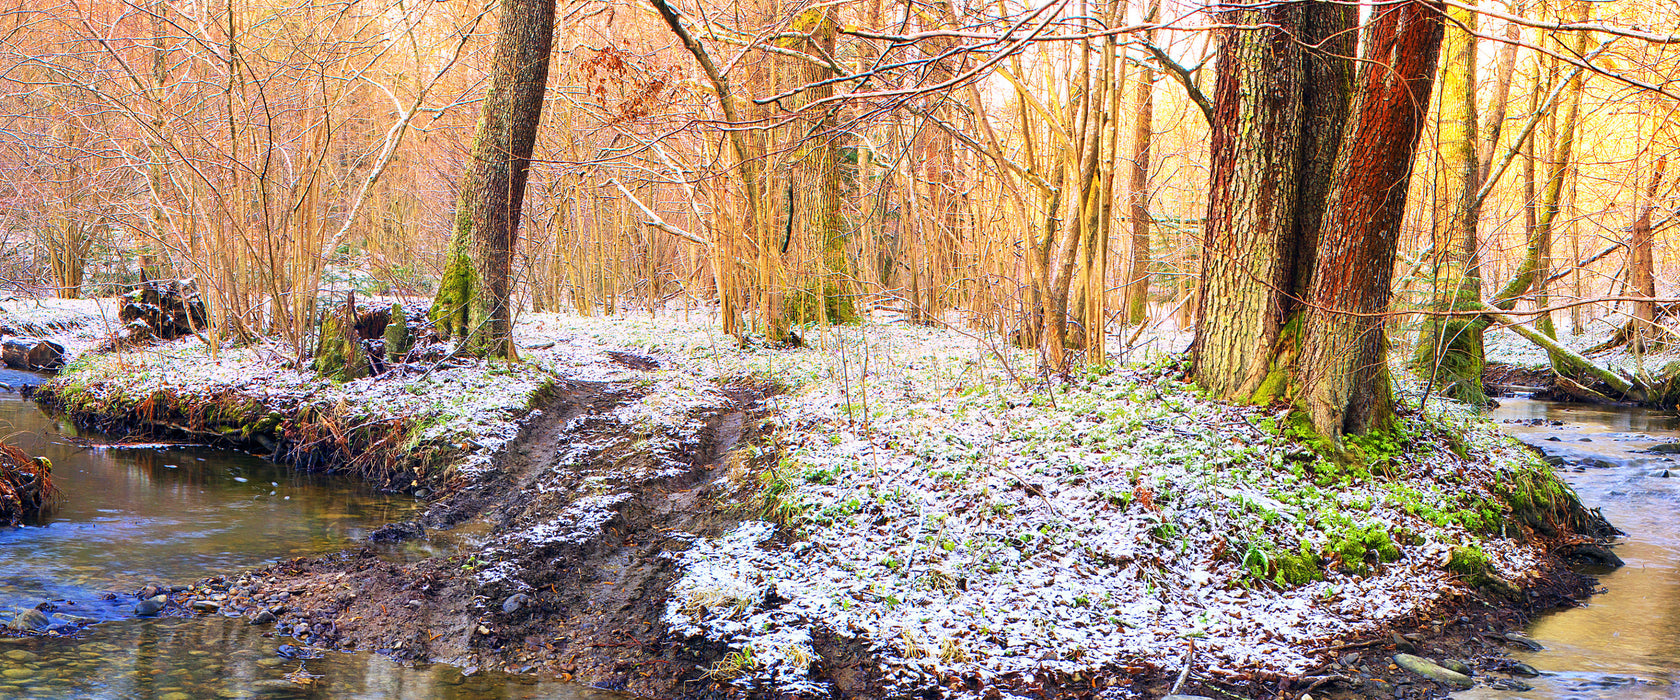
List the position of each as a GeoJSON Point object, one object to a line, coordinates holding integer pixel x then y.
{"type": "Point", "coordinates": [206, 606]}
{"type": "Point", "coordinates": [262, 618]}
{"type": "Point", "coordinates": [22, 656]}
{"type": "Point", "coordinates": [17, 673]}
{"type": "Point", "coordinates": [514, 603]}
{"type": "Point", "coordinates": [177, 695]}
{"type": "Point", "coordinates": [151, 606]}
{"type": "Point", "coordinates": [1522, 669]}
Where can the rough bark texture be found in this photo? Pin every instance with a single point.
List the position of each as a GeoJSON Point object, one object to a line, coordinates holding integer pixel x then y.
{"type": "Point", "coordinates": [1279, 115]}
{"type": "Point", "coordinates": [1343, 375]}
{"type": "Point", "coordinates": [819, 178]}
{"type": "Point", "coordinates": [474, 297]}
{"type": "Point", "coordinates": [1248, 252]}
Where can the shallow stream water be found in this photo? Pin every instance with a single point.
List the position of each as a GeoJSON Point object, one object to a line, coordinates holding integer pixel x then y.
{"type": "Point", "coordinates": [172, 514]}
{"type": "Point", "coordinates": [1625, 642]}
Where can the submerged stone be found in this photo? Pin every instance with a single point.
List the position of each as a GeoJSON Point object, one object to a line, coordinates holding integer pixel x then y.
{"type": "Point", "coordinates": [151, 606]}
{"type": "Point", "coordinates": [29, 621]}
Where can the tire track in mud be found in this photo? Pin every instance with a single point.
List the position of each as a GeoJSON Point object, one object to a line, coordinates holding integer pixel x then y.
{"type": "Point", "coordinates": [561, 567]}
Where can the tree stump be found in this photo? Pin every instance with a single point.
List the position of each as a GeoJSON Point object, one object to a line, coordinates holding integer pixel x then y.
{"type": "Point", "coordinates": [164, 309]}
{"type": "Point", "coordinates": [340, 355]}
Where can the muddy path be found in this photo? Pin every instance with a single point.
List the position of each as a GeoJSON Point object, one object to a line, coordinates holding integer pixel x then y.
{"type": "Point", "coordinates": [552, 564]}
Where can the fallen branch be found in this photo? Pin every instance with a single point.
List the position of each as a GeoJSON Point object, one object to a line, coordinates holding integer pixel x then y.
{"type": "Point", "coordinates": [656, 222]}
{"type": "Point", "coordinates": [1616, 382]}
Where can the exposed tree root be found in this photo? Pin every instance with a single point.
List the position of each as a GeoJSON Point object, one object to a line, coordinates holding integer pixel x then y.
{"type": "Point", "coordinates": [26, 486]}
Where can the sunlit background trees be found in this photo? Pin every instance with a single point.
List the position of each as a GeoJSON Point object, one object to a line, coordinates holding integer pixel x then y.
{"type": "Point", "coordinates": [1042, 171]}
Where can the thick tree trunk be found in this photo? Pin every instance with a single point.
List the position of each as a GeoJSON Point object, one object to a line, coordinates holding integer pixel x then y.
{"type": "Point", "coordinates": [1250, 242]}
{"type": "Point", "coordinates": [474, 300]}
{"type": "Point", "coordinates": [1343, 373]}
{"type": "Point", "coordinates": [1279, 115]}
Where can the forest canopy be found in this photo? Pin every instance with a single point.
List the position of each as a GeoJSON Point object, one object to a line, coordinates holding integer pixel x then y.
{"type": "Point", "coordinates": [1302, 185]}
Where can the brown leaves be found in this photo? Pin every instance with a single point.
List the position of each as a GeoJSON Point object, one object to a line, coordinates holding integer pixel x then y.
{"type": "Point", "coordinates": [637, 83]}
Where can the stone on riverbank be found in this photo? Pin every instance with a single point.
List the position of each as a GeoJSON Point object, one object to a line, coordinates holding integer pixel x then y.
{"type": "Point", "coordinates": [151, 606]}
{"type": "Point", "coordinates": [1432, 671]}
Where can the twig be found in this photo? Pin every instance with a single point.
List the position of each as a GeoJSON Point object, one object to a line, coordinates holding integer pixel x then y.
{"type": "Point", "coordinates": [1321, 680]}
{"type": "Point", "coordinates": [1189, 661]}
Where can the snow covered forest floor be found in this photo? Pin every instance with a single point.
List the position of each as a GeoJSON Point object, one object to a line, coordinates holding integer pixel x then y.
{"type": "Point", "coordinates": [923, 493]}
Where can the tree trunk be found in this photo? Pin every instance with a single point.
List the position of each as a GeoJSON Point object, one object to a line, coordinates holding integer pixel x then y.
{"type": "Point", "coordinates": [474, 299]}
{"type": "Point", "coordinates": [1279, 114]}
{"type": "Point", "coordinates": [1343, 373]}
{"type": "Point", "coordinates": [1640, 265]}
{"type": "Point", "coordinates": [1449, 350]}
{"type": "Point", "coordinates": [1137, 277]}
{"type": "Point", "coordinates": [1249, 247]}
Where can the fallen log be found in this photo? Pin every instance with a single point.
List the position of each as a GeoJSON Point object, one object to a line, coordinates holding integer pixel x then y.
{"type": "Point", "coordinates": [35, 354]}
{"type": "Point", "coordinates": [1616, 382]}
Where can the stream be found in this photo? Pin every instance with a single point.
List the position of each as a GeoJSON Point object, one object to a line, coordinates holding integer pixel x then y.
{"type": "Point", "coordinates": [171, 514]}
{"type": "Point", "coordinates": [1625, 642]}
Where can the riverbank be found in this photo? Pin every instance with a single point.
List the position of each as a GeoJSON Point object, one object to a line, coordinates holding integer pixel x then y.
{"type": "Point", "coordinates": [888, 512]}
{"type": "Point", "coordinates": [1518, 366]}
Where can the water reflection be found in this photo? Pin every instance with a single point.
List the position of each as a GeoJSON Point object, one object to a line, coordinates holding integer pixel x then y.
{"type": "Point", "coordinates": [171, 514]}
{"type": "Point", "coordinates": [172, 659]}
{"type": "Point", "coordinates": [130, 516]}
{"type": "Point", "coordinates": [1626, 642]}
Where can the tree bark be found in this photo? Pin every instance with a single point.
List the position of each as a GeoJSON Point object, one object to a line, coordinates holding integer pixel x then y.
{"type": "Point", "coordinates": [1641, 275]}
{"type": "Point", "coordinates": [1250, 241]}
{"type": "Point", "coordinates": [474, 299]}
{"type": "Point", "coordinates": [1343, 374]}
{"type": "Point", "coordinates": [1279, 114]}
{"type": "Point", "coordinates": [1137, 276]}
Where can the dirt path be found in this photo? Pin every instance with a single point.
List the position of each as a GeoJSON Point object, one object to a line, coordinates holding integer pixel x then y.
{"type": "Point", "coordinates": [561, 569]}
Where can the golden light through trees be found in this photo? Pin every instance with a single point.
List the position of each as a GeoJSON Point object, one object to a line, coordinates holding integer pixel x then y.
{"type": "Point", "coordinates": [1039, 170]}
